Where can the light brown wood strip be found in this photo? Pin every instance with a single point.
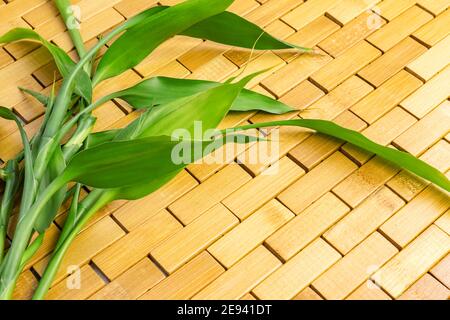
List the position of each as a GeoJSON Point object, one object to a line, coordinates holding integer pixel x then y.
{"type": "Point", "coordinates": [307, 226]}
{"type": "Point", "coordinates": [363, 220]}
{"type": "Point", "coordinates": [194, 238]}
{"type": "Point", "coordinates": [237, 243]}
{"type": "Point", "coordinates": [355, 268]}
{"type": "Point", "coordinates": [412, 262]}
{"type": "Point", "coordinates": [188, 280]}
{"type": "Point", "coordinates": [235, 282]}
{"type": "Point", "coordinates": [296, 274]}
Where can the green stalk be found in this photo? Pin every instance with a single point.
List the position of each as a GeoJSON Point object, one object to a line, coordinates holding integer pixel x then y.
{"type": "Point", "coordinates": [67, 15]}
{"type": "Point", "coordinates": [2, 242]}
{"type": "Point", "coordinates": [96, 200]}
{"type": "Point", "coordinates": [12, 184]}
{"type": "Point", "coordinates": [67, 87]}
{"type": "Point", "coordinates": [21, 239]}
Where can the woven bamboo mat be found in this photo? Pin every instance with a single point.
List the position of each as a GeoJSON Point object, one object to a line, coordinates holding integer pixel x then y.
{"type": "Point", "coordinates": [332, 223]}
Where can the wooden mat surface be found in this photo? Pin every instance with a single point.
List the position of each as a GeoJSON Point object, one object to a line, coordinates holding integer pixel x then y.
{"type": "Point", "coordinates": [332, 223]}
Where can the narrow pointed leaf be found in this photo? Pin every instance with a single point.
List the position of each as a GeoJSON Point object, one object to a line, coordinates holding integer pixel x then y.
{"type": "Point", "coordinates": [43, 99]}
{"type": "Point", "coordinates": [230, 29]}
{"type": "Point", "coordinates": [138, 42]}
{"type": "Point", "coordinates": [402, 159]}
{"type": "Point", "coordinates": [64, 63]}
{"type": "Point", "coordinates": [162, 90]}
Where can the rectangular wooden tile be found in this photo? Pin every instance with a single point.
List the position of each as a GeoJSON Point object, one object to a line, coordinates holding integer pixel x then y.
{"type": "Point", "coordinates": [249, 234]}
{"type": "Point", "coordinates": [441, 271]}
{"type": "Point", "coordinates": [434, 60]}
{"type": "Point", "coordinates": [301, 97]}
{"type": "Point", "coordinates": [399, 28]}
{"type": "Point", "coordinates": [387, 96]}
{"type": "Point", "coordinates": [307, 226]}
{"type": "Point", "coordinates": [310, 35]}
{"type": "Point", "coordinates": [424, 133]}
{"type": "Point", "coordinates": [131, 284]}
{"type": "Point", "coordinates": [123, 254]}
{"type": "Point", "coordinates": [10, 93]}
{"type": "Point", "coordinates": [345, 65]}
{"type": "Point", "coordinates": [434, 6]}
{"type": "Point", "coordinates": [339, 100]}
{"type": "Point", "coordinates": [346, 10]}
{"type": "Point", "coordinates": [363, 182]}
{"type": "Point", "coordinates": [134, 213]}
{"type": "Point", "coordinates": [429, 95]}
{"type": "Point", "coordinates": [88, 243]}
{"type": "Point", "coordinates": [296, 274]}
{"type": "Point", "coordinates": [368, 291]}
{"type": "Point", "coordinates": [167, 52]}
{"type": "Point", "coordinates": [243, 7]}
{"type": "Point", "coordinates": [129, 8]}
{"type": "Point", "coordinates": [364, 220]}
{"type": "Point", "coordinates": [193, 238]}
{"type": "Point", "coordinates": [50, 239]}
{"type": "Point", "coordinates": [266, 186]}
{"type": "Point", "coordinates": [218, 187]}
{"type": "Point", "coordinates": [351, 34]}
{"type": "Point", "coordinates": [317, 182]}
{"type": "Point", "coordinates": [355, 268]}
{"type": "Point", "coordinates": [444, 222]}
{"type": "Point", "coordinates": [271, 10]}
{"type": "Point", "coordinates": [416, 216]}
{"type": "Point", "coordinates": [18, 8]}
{"type": "Point", "coordinates": [77, 286]}
{"type": "Point", "coordinates": [197, 56]}
{"type": "Point", "coordinates": [25, 287]}
{"type": "Point", "coordinates": [435, 30]}
{"type": "Point", "coordinates": [186, 281]}
{"type": "Point", "coordinates": [242, 277]}
{"type": "Point", "coordinates": [5, 58]}
{"type": "Point", "coordinates": [413, 261]}
{"type": "Point", "coordinates": [389, 9]}
{"type": "Point", "coordinates": [307, 12]}
{"type": "Point", "coordinates": [392, 61]}
{"type": "Point", "coordinates": [426, 288]}
{"type": "Point", "coordinates": [248, 296]}
{"type": "Point", "coordinates": [308, 294]}
{"type": "Point", "coordinates": [294, 73]}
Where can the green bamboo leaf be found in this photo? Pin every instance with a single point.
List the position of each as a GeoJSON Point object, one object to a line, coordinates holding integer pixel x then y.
{"type": "Point", "coordinates": [141, 190]}
{"type": "Point", "coordinates": [64, 63]}
{"type": "Point", "coordinates": [138, 42]}
{"type": "Point", "coordinates": [133, 162]}
{"type": "Point", "coordinates": [184, 115]}
{"type": "Point", "coordinates": [230, 29]}
{"type": "Point", "coordinates": [402, 159]}
{"type": "Point", "coordinates": [98, 138]}
{"type": "Point", "coordinates": [43, 99]}
{"type": "Point", "coordinates": [30, 181]}
{"type": "Point", "coordinates": [162, 90]}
